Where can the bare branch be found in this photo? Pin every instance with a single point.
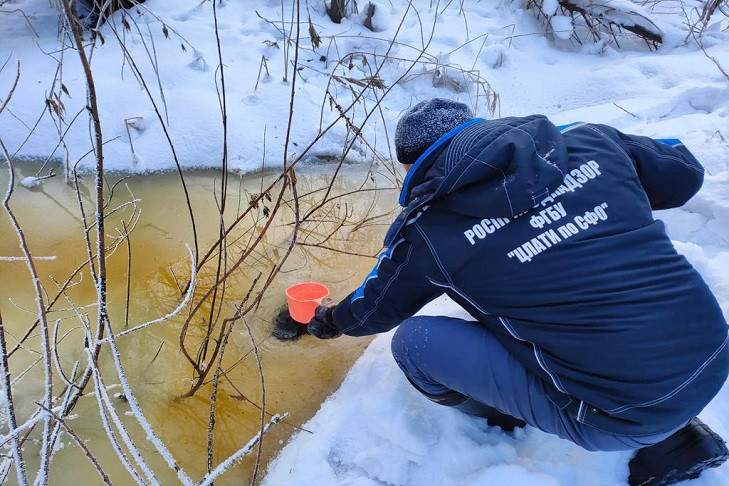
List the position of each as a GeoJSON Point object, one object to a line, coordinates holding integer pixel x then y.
{"type": "Point", "coordinates": [48, 374]}
{"type": "Point", "coordinates": [188, 296]}
{"type": "Point", "coordinates": [7, 399]}
{"type": "Point", "coordinates": [137, 412]}
{"type": "Point", "coordinates": [244, 451]}
{"type": "Point", "coordinates": [92, 459]}
{"type": "Point", "coordinates": [104, 404]}
{"type": "Point", "coordinates": [263, 402]}
{"type": "Point", "coordinates": [12, 89]}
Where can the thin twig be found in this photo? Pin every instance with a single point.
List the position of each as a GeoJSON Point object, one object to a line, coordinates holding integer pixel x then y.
{"type": "Point", "coordinates": [257, 464]}
{"type": "Point", "coordinates": [137, 413]}
{"type": "Point", "coordinates": [12, 89]}
{"type": "Point", "coordinates": [213, 399]}
{"type": "Point", "coordinates": [178, 309]}
{"type": "Point", "coordinates": [46, 450]}
{"type": "Point", "coordinates": [104, 403]}
{"type": "Point", "coordinates": [127, 237]}
{"type": "Point", "coordinates": [7, 399]}
{"type": "Point", "coordinates": [244, 451]}
{"type": "Point", "coordinates": [94, 462]}
{"type": "Point", "coordinates": [626, 111]}
{"type": "Point", "coordinates": [168, 137]}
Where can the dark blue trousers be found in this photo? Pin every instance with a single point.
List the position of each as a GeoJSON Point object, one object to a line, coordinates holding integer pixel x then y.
{"type": "Point", "coordinates": [441, 354]}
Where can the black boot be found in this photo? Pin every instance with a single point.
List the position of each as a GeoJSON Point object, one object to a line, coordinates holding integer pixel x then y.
{"type": "Point", "coordinates": [683, 455]}
{"type": "Point", "coordinates": [461, 402]}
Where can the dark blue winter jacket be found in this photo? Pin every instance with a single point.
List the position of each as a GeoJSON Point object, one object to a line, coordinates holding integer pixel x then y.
{"type": "Point", "coordinates": [551, 231]}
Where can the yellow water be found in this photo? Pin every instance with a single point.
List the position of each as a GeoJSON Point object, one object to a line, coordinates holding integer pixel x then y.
{"type": "Point", "coordinates": [298, 375]}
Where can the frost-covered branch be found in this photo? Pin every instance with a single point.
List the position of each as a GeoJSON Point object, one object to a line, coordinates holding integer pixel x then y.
{"type": "Point", "coordinates": [6, 397]}
{"type": "Point", "coordinates": [42, 477]}
{"type": "Point", "coordinates": [178, 309]}
{"type": "Point", "coordinates": [22, 259]}
{"type": "Point", "coordinates": [104, 403]}
{"type": "Point", "coordinates": [92, 459]}
{"type": "Point", "coordinates": [99, 149]}
{"type": "Point", "coordinates": [223, 466]}
{"type": "Point", "coordinates": [137, 412]}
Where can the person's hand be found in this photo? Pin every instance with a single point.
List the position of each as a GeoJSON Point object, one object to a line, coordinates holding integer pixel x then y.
{"type": "Point", "coordinates": [322, 324]}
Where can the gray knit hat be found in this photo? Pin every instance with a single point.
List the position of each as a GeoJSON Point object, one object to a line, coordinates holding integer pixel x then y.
{"type": "Point", "coordinates": [423, 124]}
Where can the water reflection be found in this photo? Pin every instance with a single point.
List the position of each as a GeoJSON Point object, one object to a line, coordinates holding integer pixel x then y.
{"type": "Point", "coordinates": [298, 376]}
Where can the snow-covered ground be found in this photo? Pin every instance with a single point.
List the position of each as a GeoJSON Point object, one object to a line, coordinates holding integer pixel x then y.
{"type": "Point", "coordinates": [375, 429]}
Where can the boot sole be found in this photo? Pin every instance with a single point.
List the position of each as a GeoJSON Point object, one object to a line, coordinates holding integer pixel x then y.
{"type": "Point", "coordinates": [710, 442]}
{"type": "Point", "coordinates": [675, 476]}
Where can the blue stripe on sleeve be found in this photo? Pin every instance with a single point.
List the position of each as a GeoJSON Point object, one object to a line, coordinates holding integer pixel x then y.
{"type": "Point", "coordinates": [359, 293]}
{"type": "Point", "coordinates": [671, 142]}
{"type": "Point", "coordinates": [564, 128]}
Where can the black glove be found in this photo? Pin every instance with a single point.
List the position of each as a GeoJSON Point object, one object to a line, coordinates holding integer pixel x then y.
{"type": "Point", "coordinates": [322, 324]}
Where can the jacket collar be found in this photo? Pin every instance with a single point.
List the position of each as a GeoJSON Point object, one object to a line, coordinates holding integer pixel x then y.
{"type": "Point", "coordinates": [417, 171]}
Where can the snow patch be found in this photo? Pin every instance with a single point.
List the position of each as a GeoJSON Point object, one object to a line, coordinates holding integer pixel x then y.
{"type": "Point", "coordinates": [381, 20]}
{"type": "Point", "coordinates": [30, 182]}
{"type": "Point", "coordinates": [562, 26]}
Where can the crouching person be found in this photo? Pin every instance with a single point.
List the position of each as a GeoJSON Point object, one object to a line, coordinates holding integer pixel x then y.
{"type": "Point", "coordinates": [588, 324]}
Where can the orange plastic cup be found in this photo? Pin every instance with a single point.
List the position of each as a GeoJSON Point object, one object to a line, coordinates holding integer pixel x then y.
{"type": "Point", "coordinates": [303, 299]}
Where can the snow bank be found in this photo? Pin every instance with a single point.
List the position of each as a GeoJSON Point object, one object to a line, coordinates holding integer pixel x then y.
{"type": "Point", "coordinates": [173, 44]}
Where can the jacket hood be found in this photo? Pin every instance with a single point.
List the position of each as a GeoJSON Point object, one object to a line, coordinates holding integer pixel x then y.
{"type": "Point", "coordinates": [489, 168]}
